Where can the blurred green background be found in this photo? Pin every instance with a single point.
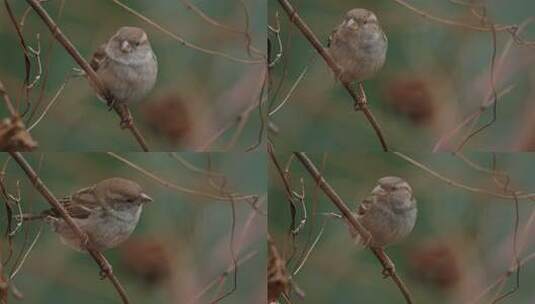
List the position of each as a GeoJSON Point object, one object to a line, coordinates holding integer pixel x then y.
{"type": "Point", "coordinates": [460, 245]}
{"type": "Point", "coordinates": [434, 76]}
{"type": "Point", "coordinates": [196, 94]}
{"type": "Point", "coordinates": [180, 245]}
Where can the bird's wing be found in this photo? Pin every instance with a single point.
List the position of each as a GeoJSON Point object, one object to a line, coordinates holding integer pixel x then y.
{"type": "Point", "coordinates": [331, 37]}
{"type": "Point", "coordinates": [98, 58]}
{"type": "Point", "coordinates": [80, 205]}
{"type": "Point", "coordinates": [365, 205]}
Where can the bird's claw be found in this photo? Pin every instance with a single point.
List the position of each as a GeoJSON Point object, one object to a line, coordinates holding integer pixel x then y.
{"type": "Point", "coordinates": [358, 106]}
{"type": "Point", "coordinates": [366, 240]}
{"type": "Point", "coordinates": [388, 271]}
{"type": "Point", "coordinates": [127, 122]}
{"type": "Point", "coordinates": [105, 270]}
{"type": "Point", "coordinates": [111, 104]}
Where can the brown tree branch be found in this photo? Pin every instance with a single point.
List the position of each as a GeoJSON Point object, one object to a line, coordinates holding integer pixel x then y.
{"type": "Point", "coordinates": [26, 53]}
{"type": "Point", "coordinates": [311, 37]}
{"type": "Point", "coordinates": [9, 104]}
{"type": "Point", "coordinates": [91, 74]}
{"type": "Point", "coordinates": [348, 215]}
{"type": "Point", "coordinates": [102, 262]}
{"type": "Point", "coordinates": [13, 133]}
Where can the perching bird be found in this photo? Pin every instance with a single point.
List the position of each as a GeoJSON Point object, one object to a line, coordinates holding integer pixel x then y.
{"type": "Point", "coordinates": [126, 65]}
{"type": "Point", "coordinates": [358, 45]}
{"type": "Point", "coordinates": [107, 211]}
{"type": "Point", "coordinates": [389, 213]}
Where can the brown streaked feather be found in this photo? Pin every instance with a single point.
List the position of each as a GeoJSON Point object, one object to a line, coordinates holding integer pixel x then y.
{"type": "Point", "coordinates": [98, 57]}
{"type": "Point", "coordinates": [365, 205]}
{"type": "Point", "coordinates": [79, 205]}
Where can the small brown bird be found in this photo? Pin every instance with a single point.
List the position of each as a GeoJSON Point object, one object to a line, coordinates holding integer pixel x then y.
{"type": "Point", "coordinates": [107, 211]}
{"type": "Point", "coordinates": [389, 213]}
{"type": "Point", "coordinates": [358, 45]}
{"type": "Point", "coordinates": [126, 65]}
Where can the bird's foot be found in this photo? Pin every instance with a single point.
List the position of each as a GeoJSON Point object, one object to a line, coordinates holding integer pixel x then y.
{"type": "Point", "coordinates": [359, 105]}
{"type": "Point", "coordinates": [389, 267]}
{"type": "Point", "coordinates": [366, 241]}
{"type": "Point", "coordinates": [362, 101]}
{"type": "Point", "coordinates": [127, 122]}
{"type": "Point", "coordinates": [388, 271]}
{"type": "Point", "coordinates": [85, 242]}
{"type": "Point", "coordinates": [105, 270]}
{"type": "Point", "coordinates": [111, 104]}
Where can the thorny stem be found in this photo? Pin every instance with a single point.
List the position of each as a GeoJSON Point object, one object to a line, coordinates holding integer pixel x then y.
{"type": "Point", "coordinates": [103, 263]}
{"type": "Point", "coordinates": [339, 203]}
{"type": "Point", "coordinates": [311, 37]}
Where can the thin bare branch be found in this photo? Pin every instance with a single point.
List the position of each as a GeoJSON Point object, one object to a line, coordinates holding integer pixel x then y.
{"type": "Point", "coordinates": [179, 188]}
{"type": "Point", "coordinates": [498, 28]}
{"type": "Point", "coordinates": [454, 183]}
{"type": "Point", "coordinates": [314, 41]}
{"type": "Point", "coordinates": [102, 262]}
{"type": "Point", "coordinates": [348, 215]}
{"type": "Point", "coordinates": [121, 110]}
{"type": "Point", "coordinates": [181, 40]}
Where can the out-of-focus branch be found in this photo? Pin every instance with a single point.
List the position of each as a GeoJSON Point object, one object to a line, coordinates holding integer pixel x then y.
{"type": "Point", "coordinates": [454, 183]}
{"type": "Point", "coordinates": [4, 287]}
{"type": "Point", "coordinates": [25, 51]}
{"type": "Point", "coordinates": [121, 110]}
{"type": "Point", "coordinates": [178, 188]}
{"type": "Point", "coordinates": [102, 262]}
{"type": "Point", "coordinates": [314, 41]}
{"type": "Point", "coordinates": [497, 28]}
{"type": "Point", "coordinates": [512, 29]}
{"type": "Point", "coordinates": [182, 41]}
{"type": "Point", "coordinates": [7, 100]}
{"type": "Point", "coordinates": [199, 12]}
{"type": "Point", "coordinates": [348, 215]}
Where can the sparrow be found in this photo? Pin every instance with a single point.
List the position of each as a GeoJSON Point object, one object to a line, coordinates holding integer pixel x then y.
{"type": "Point", "coordinates": [389, 213]}
{"type": "Point", "coordinates": [126, 66]}
{"type": "Point", "coordinates": [108, 212]}
{"type": "Point", "coordinates": [358, 45]}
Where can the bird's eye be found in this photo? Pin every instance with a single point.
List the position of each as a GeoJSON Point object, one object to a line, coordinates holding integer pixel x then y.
{"type": "Point", "coordinates": [130, 200]}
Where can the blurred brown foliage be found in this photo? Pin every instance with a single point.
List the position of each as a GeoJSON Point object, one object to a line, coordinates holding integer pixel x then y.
{"type": "Point", "coordinates": [148, 258]}
{"type": "Point", "coordinates": [169, 116]}
{"type": "Point", "coordinates": [412, 98]}
{"type": "Point", "coordinates": [14, 137]}
{"type": "Point", "coordinates": [435, 262]}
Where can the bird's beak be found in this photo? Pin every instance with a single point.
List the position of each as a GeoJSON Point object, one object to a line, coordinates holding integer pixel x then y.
{"type": "Point", "coordinates": [126, 47]}
{"type": "Point", "coordinates": [145, 198]}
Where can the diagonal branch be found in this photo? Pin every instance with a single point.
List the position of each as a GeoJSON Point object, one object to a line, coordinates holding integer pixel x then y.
{"type": "Point", "coordinates": [339, 203]}
{"type": "Point", "coordinates": [311, 37]}
{"type": "Point", "coordinates": [124, 113]}
{"type": "Point", "coordinates": [104, 265]}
